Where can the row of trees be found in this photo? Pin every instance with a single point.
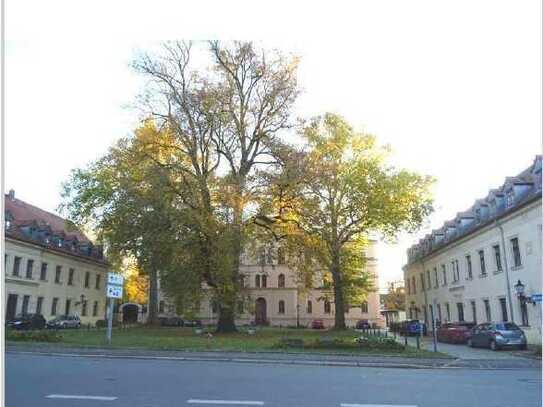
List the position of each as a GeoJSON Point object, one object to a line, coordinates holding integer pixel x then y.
{"type": "Point", "coordinates": [211, 169]}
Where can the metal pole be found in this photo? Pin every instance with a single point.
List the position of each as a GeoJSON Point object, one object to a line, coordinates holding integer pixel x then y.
{"type": "Point", "coordinates": [109, 320]}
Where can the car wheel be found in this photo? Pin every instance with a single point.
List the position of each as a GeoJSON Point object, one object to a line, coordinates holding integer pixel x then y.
{"type": "Point", "coordinates": [494, 346]}
{"type": "Point", "coordinates": [470, 343]}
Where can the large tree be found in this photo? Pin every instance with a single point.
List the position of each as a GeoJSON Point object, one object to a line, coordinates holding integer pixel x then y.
{"type": "Point", "coordinates": [329, 198]}
{"type": "Point", "coordinates": [234, 112]}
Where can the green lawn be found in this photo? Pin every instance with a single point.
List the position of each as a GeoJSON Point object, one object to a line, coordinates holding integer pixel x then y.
{"type": "Point", "coordinates": [265, 339]}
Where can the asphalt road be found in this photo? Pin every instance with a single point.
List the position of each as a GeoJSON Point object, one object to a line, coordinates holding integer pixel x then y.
{"type": "Point", "coordinates": [37, 380]}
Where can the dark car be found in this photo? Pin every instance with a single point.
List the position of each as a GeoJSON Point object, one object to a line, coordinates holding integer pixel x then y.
{"type": "Point", "coordinates": [64, 321]}
{"type": "Point", "coordinates": [27, 321]}
{"type": "Point", "coordinates": [412, 327]}
{"type": "Point", "coordinates": [497, 335]}
{"type": "Point", "coordinates": [193, 323]}
{"type": "Point", "coordinates": [363, 324]}
{"type": "Point", "coordinates": [454, 332]}
{"type": "Point", "coordinates": [317, 324]}
{"type": "Point", "coordinates": [171, 321]}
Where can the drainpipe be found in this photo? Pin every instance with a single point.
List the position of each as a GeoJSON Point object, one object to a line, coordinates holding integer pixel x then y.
{"type": "Point", "coordinates": [508, 284]}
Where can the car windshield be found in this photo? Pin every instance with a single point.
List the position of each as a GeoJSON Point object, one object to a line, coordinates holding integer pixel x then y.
{"type": "Point", "coordinates": [507, 326]}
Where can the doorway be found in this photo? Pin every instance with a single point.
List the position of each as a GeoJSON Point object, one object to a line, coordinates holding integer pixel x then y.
{"type": "Point", "coordinates": [11, 307]}
{"type": "Point", "coordinates": [260, 312]}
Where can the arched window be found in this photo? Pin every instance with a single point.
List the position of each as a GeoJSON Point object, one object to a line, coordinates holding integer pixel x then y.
{"type": "Point", "coordinates": [364, 307]}
{"type": "Point", "coordinates": [257, 281]}
{"type": "Point", "coordinates": [281, 281]}
{"type": "Point", "coordinates": [281, 307]}
{"type": "Point", "coordinates": [264, 281]}
{"type": "Point", "coordinates": [326, 306]}
{"type": "Point", "coordinates": [309, 307]}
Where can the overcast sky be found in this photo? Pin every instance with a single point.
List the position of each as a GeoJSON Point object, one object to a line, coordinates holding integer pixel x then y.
{"type": "Point", "coordinates": [453, 86]}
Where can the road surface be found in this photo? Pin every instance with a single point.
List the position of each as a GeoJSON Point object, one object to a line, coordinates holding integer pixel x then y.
{"type": "Point", "coordinates": [52, 381]}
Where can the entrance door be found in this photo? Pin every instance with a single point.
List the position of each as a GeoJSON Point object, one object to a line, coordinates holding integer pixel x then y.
{"type": "Point", "coordinates": [260, 311]}
{"type": "Point", "coordinates": [11, 307]}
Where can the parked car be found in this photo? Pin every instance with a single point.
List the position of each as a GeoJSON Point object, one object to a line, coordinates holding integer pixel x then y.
{"type": "Point", "coordinates": [27, 321]}
{"type": "Point", "coordinates": [363, 324]}
{"type": "Point", "coordinates": [171, 321]}
{"type": "Point", "coordinates": [193, 323]}
{"type": "Point", "coordinates": [497, 335]}
{"type": "Point", "coordinates": [317, 324]}
{"type": "Point", "coordinates": [64, 321]}
{"type": "Point", "coordinates": [412, 327]}
{"type": "Point", "coordinates": [454, 332]}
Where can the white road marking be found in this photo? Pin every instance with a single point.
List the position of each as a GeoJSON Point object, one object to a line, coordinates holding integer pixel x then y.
{"type": "Point", "coordinates": [375, 405]}
{"type": "Point", "coordinates": [80, 397]}
{"type": "Point", "coordinates": [230, 402]}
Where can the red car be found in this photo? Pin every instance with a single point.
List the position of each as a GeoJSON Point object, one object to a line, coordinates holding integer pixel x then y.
{"type": "Point", "coordinates": [317, 324]}
{"type": "Point", "coordinates": [454, 332]}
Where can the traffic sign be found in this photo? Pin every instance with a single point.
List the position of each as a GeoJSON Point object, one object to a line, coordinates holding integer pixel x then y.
{"type": "Point", "coordinates": [114, 291]}
{"type": "Point", "coordinates": [536, 297]}
{"type": "Point", "coordinates": [115, 278]}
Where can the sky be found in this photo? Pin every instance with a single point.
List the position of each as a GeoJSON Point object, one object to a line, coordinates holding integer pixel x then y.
{"type": "Point", "coordinates": [453, 86]}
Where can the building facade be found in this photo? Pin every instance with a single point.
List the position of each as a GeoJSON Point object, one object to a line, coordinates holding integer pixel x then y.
{"type": "Point", "coordinates": [485, 265]}
{"type": "Point", "coordinates": [273, 296]}
{"type": "Point", "coordinates": [50, 267]}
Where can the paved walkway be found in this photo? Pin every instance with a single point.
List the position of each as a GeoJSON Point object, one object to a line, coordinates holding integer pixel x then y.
{"type": "Point", "coordinates": [464, 351]}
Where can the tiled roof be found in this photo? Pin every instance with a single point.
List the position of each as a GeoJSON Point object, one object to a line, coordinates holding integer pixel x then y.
{"type": "Point", "coordinates": [531, 177]}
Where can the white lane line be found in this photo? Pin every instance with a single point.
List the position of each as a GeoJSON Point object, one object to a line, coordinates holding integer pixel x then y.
{"type": "Point", "coordinates": [80, 397]}
{"type": "Point", "coordinates": [375, 405]}
{"type": "Point", "coordinates": [230, 402]}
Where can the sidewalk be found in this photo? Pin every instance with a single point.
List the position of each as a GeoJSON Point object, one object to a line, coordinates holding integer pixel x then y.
{"type": "Point", "coordinates": [279, 358]}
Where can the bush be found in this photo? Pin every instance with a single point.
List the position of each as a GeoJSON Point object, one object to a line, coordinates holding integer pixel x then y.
{"type": "Point", "coordinates": [102, 323]}
{"type": "Point", "coordinates": [378, 342]}
{"type": "Point", "coordinates": [34, 336]}
{"type": "Point", "coordinates": [285, 343]}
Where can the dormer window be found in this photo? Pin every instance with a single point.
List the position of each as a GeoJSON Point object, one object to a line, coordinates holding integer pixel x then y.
{"type": "Point", "coordinates": [478, 215]}
{"type": "Point", "coordinates": [510, 198]}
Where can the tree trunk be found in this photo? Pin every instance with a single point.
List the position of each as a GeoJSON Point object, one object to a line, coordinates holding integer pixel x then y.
{"type": "Point", "coordinates": [339, 317]}
{"type": "Point", "coordinates": [152, 318]}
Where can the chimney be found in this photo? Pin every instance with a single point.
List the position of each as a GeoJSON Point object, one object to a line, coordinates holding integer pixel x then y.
{"type": "Point", "coordinates": [11, 194]}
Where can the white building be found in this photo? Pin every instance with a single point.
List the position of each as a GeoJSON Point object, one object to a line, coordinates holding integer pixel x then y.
{"type": "Point", "coordinates": [273, 296]}
{"type": "Point", "coordinates": [468, 269]}
{"type": "Point", "coordinates": [50, 267]}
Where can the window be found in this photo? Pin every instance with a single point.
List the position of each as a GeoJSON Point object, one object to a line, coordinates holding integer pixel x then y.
{"type": "Point", "coordinates": [414, 285]}
{"type": "Point", "coordinates": [16, 265]}
{"type": "Point", "coordinates": [422, 281]}
{"type": "Point", "coordinates": [68, 306]}
{"type": "Point", "coordinates": [453, 267]}
{"type": "Point", "coordinates": [524, 313]}
{"type": "Point", "coordinates": [26, 300]}
{"type": "Point", "coordinates": [503, 307]}
{"type": "Point", "coordinates": [58, 271]}
{"type": "Point", "coordinates": [257, 281]}
{"type": "Point", "coordinates": [431, 314]}
{"type": "Point", "coordinates": [436, 280]}
{"type": "Point", "coordinates": [408, 286]}
{"type": "Point", "coordinates": [161, 306]}
{"type": "Point", "coordinates": [510, 198]}
{"type": "Point", "coordinates": [54, 306]}
{"type": "Point", "coordinates": [444, 272]}
{"type": "Point", "coordinates": [448, 310]}
{"type": "Point", "coordinates": [281, 306]}
{"type": "Point", "coordinates": [326, 306]}
{"type": "Point", "coordinates": [439, 311]}
{"type": "Point", "coordinates": [264, 281]}
{"type": "Point", "coordinates": [240, 307]}
{"type": "Point", "coordinates": [39, 305]}
{"type": "Point", "coordinates": [482, 262]}
{"type": "Point", "coordinates": [95, 309]}
{"type": "Point", "coordinates": [6, 258]}
{"type": "Point", "coordinates": [460, 309]}
{"type": "Point", "coordinates": [457, 270]}
{"type": "Point", "coordinates": [43, 272]}
{"type": "Point", "coordinates": [428, 280]}
{"type": "Point", "coordinates": [280, 256]}
{"type": "Point", "coordinates": [425, 315]}
{"type": "Point", "coordinates": [29, 267]}
{"type": "Point", "coordinates": [87, 278]}
{"type": "Point", "coordinates": [488, 314]}
{"type": "Point", "coordinates": [516, 252]}
{"type": "Point", "coordinates": [269, 255]}
{"type": "Point", "coordinates": [497, 256]}
{"type": "Point", "coordinates": [281, 281]}
{"type": "Point", "coordinates": [309, 307]}
{"type": "Point", "coordinates": [468, 265]}
{"type": "Point", "coordinates": [84, 308]}
{"type": "Point", "coordinates": [71, 276]}
{"type": "Point", "coordinates": [474, 311]}
{"type": "Point", "coordinates": [364, 307]}
{"type": "Point", "coordinates": [98, 276]}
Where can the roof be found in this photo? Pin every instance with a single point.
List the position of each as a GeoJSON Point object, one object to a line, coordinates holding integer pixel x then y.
{"type": "Point", "coordinates": [24, 213]}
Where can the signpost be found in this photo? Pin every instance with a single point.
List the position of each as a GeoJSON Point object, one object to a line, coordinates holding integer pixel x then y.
{"type": "Point", "coordinates": [114, 289]}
